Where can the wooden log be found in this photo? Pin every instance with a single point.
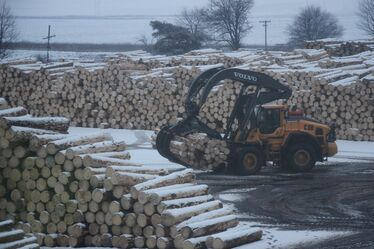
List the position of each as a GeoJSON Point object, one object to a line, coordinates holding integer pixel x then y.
{"type": "Point", "coordinates": [156, 219]}
{"type": "Point", "coordinates": [175, 230]}
{"type": "Point", "coordinates": [97, 181]}
{"type": "Point", "coordinates": [183, 202]}
{"type": "Point", "coordinates": [89, 172]}
{"type": "Point", "coordinates": [31, 246]}
{"type": "Point", "coordinates": [127, 202]}
{"type": "Point", "coordinates": [63, 144]}
{"type": "Point", "coordinates": [139, 242]}
{"type": "Point", "coordinates": [106, 240]}
{"type": "Point", "coordinates": [11, 236]}
{"type": "Point", "coordinates": [151, 242]}
{"type": "Point", "coordinates": [185, 176]}
{"type": "Point", "coordinates": [19, 243]}
{"type": "Point", "coordinates": [151, 170]}
{"type": "Point", "coordinates": [99, 147]}
{"type": "Point", "coordinates": [6, 225]}
{"type": "Point", "coordinates": [24, 134]}
{"type": "Point", "coordinates": [37, 141]}
{"type": "Point", "coordinates": [55, 124]}
{"type": "Point", "coordinates": [124, 155]}
{"type": "Point", "coordinates": [155, 196]}
{"type": "Point", "coordinates": [149, 209]}
{"type": "Point", "coordinates": [195, 243]}
{"type": "Point", "coordinates": [13, 112]}
{"type": "Point", "coordinates": [50, 240]}
{"type": "Point", "coordinates": [130, 219]}
{"type": "Point", "coordinates": [148, 231]}
{"type": "Point", "coordinates": [96, 161]}
{"type": "Point", "coordinates": [3, 104]}
{"type": "Point", "coordinates": [130, 179]}
{"type": "Point", "coordinates": [210, 226]}
{"type": "Point", "coordinates": [229, 239]}
{"type": "Point", "coordinates": [173, 216]}
{"type": "Point", "coordinates": [164, 243]}
{"type": "Point", "coordinates": [77, 230]}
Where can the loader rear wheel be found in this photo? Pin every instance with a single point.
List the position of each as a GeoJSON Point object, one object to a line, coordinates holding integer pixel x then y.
{"type": "Point", "coordinates": [301, 157]}
{"type": "Point", "coordinates": [250, 161]}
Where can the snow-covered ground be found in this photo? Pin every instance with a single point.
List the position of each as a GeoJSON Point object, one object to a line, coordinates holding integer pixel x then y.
{"type": "Point", "coordinates": [139, 142]}
{"type": "Point", "coordinates": [274, 238]}
{"type": "Point", "coordinates": [20, 54]}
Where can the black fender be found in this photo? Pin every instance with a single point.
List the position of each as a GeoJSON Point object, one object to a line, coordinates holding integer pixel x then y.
{"type": "Point", "coordinates": [235, 148]}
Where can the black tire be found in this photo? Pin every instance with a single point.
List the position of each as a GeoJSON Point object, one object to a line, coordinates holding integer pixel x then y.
{"type": "Point", "coordinates": [249, 161]}
{"type": "Point", "coordinates": [301, 157]}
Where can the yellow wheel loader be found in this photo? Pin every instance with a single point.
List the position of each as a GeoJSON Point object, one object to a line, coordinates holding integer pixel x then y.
{"type": "Point", "coordinates": [256, 131]}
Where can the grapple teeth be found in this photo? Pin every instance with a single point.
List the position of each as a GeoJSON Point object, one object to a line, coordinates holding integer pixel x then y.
{"type": "Point", "coordinates": [163, 140]}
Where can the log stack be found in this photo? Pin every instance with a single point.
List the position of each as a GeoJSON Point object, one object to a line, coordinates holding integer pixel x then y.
{"type": "Point", "coordinates": [13, 238]}
{"type": "Point", "coordinates": [83, 190]}
{"type": "Point", "coordinates": [200, 151]}
{"type": "Point", "coordinates": [341, 48]}
{"type": "Point", "coordinates": [141, 91]}
{"type": "Point", "coordinates": [174, 212]}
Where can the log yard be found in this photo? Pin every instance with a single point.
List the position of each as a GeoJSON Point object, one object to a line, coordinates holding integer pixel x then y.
{"type": "Point", "coordinates": [215, 146]}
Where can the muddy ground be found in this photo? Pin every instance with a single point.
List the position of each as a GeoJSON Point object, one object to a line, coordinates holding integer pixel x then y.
{"type": "Point", "coordinates": [336, 196]}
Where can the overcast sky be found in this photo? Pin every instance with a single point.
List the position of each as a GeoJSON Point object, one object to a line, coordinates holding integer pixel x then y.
{"type": "Point", "coordinates": [128, 29]}
{"type": "Point", "coordinates": [162, 7]}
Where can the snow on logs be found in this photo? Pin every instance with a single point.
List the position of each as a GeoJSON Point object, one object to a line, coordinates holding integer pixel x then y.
{"type": "Point", "coordinates": [142, 91]}
{"type": "Point", "coordinates": [12, 238]}
{"type": "Point", "coordinates": [138, 90]}
{"type": "Point", "coordinates": [83, 190]}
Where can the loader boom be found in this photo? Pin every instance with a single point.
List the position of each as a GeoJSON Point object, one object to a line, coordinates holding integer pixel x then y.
{"type": "Point", "coordinates": [267, 90]}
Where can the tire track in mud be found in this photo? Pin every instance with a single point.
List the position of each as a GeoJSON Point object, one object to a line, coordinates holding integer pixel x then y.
{"type": "Point", "coordinates": [335, 197]}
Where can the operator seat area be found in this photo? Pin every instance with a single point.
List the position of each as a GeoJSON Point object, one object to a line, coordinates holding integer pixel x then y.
{"type": "Point", "coordinates": [268, 120]}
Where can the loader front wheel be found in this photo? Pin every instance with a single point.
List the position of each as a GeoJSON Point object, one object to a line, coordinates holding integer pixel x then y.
{"type": "Point", "coordinates": [250, 161]}
{"type": "Point", "coordinates": [301, 157]}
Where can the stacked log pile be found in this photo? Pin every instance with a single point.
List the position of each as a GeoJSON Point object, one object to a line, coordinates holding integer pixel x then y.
{"type": "Point", "coordinates": [175, 212]}
{"type": "Point", "coordinates": [147, 92]}
{"type": "Point", "coordinates": [200, 151]}
{"type": "Point", "coordinates": [333, 90]}
{"type": "Point", "coordinates": [83, 190]}
{"type": "Point", "coordinates": [341, 48]}
{"type": "Point", "coordinates": [12, 238]}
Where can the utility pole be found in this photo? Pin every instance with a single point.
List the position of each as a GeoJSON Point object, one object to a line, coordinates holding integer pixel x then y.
{"type": "Point", "coordinates": [48, 38]}
{"type": "Point", "coordinates": [266, 22]}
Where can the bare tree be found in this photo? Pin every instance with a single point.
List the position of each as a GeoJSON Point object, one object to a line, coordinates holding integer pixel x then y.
{"type": "Point", "coordinates": [228, 19]}
{"type": "Point", "coordinates": [313, 23]}
{"type": "Point", "coordinates": [7, 28]}
{"type": "Point", "coordinates": [193, 20]}
{"type": "Point", "coordinates": [366, 15]}
{"type": "Point", "coordinates": [144, 41]}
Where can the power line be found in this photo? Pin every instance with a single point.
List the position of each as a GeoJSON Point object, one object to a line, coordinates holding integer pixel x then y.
{"type": "Point", "coordinates": [266, 22]}
{"type": "Point", "coordinates": [48, 38]}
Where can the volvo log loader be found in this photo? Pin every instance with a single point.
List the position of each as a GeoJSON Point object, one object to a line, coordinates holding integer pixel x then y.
{"type": "Point", "coordinates": [256, 132]}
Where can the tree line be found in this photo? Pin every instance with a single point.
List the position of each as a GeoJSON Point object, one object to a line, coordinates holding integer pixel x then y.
{"type": "Point", "coordinates": [228, 22]}
{"type": "Point", "coordinates": [223, 22]}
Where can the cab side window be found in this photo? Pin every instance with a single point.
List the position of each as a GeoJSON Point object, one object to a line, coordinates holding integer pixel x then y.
{"type": "Point", "coordinates": [269, 120]}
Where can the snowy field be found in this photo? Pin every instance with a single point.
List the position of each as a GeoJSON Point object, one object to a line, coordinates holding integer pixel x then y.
{"type": "Point", "coordinates": [125, 21]}
{"type": "Point", "coordinates": [20, 54]}
{"type": "Point", "coordinates": [139, 142]}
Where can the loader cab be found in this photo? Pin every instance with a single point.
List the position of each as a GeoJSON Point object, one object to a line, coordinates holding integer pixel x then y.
{"type": "Point", "coordinates": [269, 118]}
